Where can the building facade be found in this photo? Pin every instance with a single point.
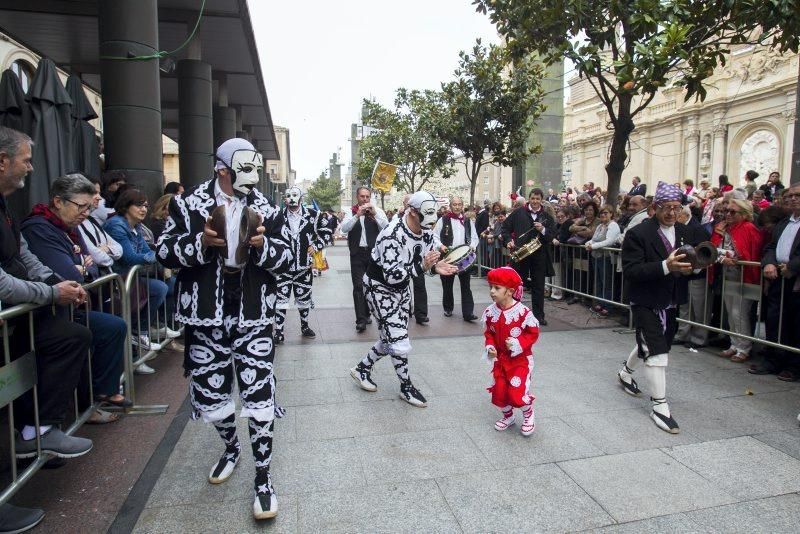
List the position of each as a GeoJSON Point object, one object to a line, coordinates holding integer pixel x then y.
{"type": "Point", "coordinates": [746, 122]}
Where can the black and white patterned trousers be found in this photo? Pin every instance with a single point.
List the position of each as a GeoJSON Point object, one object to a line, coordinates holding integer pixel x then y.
{"type": "Point", "coordinates": [392, 310]}
{"type": "Point", "coordinates": [297, 283]}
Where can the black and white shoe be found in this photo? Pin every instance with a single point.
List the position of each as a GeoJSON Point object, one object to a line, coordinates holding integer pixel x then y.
{"type": "Point", "coordinates": [265, 505]}
{"type": "Point", "coordinates": [631, 388]}
{"type": "Point", "coordinates": [307, 332]}
{"type": "Point", "coordinates": [362, 377]}
{"type": "Point", "coordinates": [664, 422]}
{"type": "Point", "coordinates": [223, 470]}
{"type": "Point", "coordinates": [411, 395]}
{"type": "Point", "coordinates": [279, 338]}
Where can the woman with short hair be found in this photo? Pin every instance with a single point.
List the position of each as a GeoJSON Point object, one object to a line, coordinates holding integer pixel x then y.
{"type": "Point", "coordinates": [605, 235]}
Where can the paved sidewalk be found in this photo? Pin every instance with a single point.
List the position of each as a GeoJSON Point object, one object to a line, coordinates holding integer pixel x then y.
{"type": "Point", "coordinates": [351, 461]}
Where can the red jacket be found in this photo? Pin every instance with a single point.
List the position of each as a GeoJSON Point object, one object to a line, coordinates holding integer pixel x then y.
{"type": "Point", "coordinates": [748, 243]}
{"type": "Point", "coordinates": [516, 322]}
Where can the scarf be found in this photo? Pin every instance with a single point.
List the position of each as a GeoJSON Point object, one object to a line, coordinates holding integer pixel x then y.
{"type": "Point", "coordinates": [354, 209]}
{"type": "Point", "coordinates": [453, 216]}
{"type": "Point", "coordinates": [43, 210]}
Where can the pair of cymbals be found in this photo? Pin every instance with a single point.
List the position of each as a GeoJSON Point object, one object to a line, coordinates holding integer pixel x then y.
{"type": "Point", "coordinates": [248, 225]}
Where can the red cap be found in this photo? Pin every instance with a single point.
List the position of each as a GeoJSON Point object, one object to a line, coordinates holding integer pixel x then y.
{"type": "Point", "coordinates": [504, 276]}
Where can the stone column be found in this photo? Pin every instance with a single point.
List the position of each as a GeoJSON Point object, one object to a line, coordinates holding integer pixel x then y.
{"type": "Point", "coordinates": [131, 92]}
{"type": "Point", "coordinates": [693, 150]}
{"type": "Point", "coordinates": [195, 121]}
{"type": "Point", "coordinates": [790, 116]}
{"type": "Point", "coordinates": [678, 153]}
{"type": "Point", "coordinates": [224, 116]}
{"type": "Point", "coordinates": [719, 147]}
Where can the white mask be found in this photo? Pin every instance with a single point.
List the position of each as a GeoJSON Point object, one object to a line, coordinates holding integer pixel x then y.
{"type": "Point", "coordinates": [427, 214]}
{"type": "Point", "coordinates": [293, 196]}
{"type": "Point", "coordinates": [247, 167]}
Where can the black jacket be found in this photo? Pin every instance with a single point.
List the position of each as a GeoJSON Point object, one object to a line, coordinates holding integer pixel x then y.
{"type": "Point", "coordinates": [771, 249]}
{"type": "Point", "coordinates": [482, 221]}
{"type": "Point", "coordinates": [638, 190]}
{"type": "Point", "coordinates": [518, 226]}
{"type": "Point", "coordinates": [643, 252]}
{"type": "Point", "coordinates": [199, 291]}
{"type": "Point", "coordinates": [313, 231]}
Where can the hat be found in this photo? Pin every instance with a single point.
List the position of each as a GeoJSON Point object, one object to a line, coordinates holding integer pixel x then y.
{"type": "Point", "coordinates": [666, 193]}
{"type": "Point", "coordinates": [506, 277]}
{"type": "Point", "coordinates": [224, 154]}
{"type": "Point", "coordinates": [419, 197]}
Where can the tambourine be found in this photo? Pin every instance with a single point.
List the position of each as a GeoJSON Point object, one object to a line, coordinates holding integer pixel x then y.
{"type": "Point", "coordinates": [461, 256]}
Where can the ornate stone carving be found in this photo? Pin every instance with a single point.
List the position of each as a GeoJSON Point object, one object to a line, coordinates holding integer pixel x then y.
{"type": "Point", "coordinates": [759, 152]}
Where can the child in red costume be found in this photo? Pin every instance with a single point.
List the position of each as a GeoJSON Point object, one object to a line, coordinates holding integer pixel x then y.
{"type": "Point", "coordinates": [510, 330]}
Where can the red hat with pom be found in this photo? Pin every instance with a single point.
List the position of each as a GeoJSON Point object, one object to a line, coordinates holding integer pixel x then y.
{"type": "Point", "coordinates": [506, 277]}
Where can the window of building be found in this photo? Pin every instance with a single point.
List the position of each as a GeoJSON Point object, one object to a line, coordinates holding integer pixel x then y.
{"type": "Point", "coordinates": [24, 72]}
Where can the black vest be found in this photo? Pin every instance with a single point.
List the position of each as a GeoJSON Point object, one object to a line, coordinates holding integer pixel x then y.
{"type": "Point", "coordinates": [446, 236]}
{"type": "Point", "coordinates": [354, 235]}
{"type": "Point", "coordinates": [10, 260]}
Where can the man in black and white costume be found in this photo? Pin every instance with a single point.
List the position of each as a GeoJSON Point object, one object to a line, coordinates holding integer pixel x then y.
{"type": "Point", "coordinates": [655, 277]}
{"type": "Point", "coordinates": [404, 249]}
{"type": "Point", "coordinates": [453, 230]}
{"type": "Point", "coordinates": [229, 307]}
{"type": "Point", "coordinates": [308, 232]}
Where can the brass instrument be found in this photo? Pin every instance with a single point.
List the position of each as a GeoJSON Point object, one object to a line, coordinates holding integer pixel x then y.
{"type": "Point", "coordinates": [526, 250]}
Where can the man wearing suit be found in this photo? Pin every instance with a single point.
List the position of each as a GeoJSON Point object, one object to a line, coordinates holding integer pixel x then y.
{"type": "Point", "coordinates": [657, 284]}
{"type": "Point", "coordinates": [522, 226]}
{"type": "Point", "coordinates": [362, 227]}
{"type": "Point", "coordinates": [781, 264]}
{"type": "Point", "coordinates": [638, 187]}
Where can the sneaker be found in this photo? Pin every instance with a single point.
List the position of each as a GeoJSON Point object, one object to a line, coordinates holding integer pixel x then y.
{"type": "Point", "coordinates": [279, 338]}
{"type": "Point", "coordinates": [265, 505]}
{"type": "Point", "coordinates": [223, 469]}
{"type": "Point", "coordinates": [631, 388]}
{"type": "Point", "coordinates": [362, 377]}
{"type": "Point", "coordinates": [143, 341]}
{"type": "Point", "coordinates": [143, 369]}
{"type": "Point", "coordinates": [17, 519]}
{"type": "Point", "coordinates": [504, 423]}
{"type": "Point", "coordinates": [411, 395]}
{"type": "Point", "coordinates": [307, 332]}
{"type": "Point", "coordinates": [164, 332]}
{"type": "Point", "coordinates": [54, 442]}
{"type": "Point", "coordinates": [664, 422]}
{"type": "Point", "coordinates": [528, 423]}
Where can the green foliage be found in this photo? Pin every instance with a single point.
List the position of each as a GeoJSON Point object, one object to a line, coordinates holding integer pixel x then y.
{"type": "Point", "coordinates": [491, 108]}
{"type": "Point", "coordinates": [406, 136]}
{"type": "Point", "coordinates": [628, 49]}
{"type": "Point", "coordinates": [327, 192]}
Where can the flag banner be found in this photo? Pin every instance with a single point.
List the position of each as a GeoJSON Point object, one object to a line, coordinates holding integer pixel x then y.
{"type": "Point", "coordinates": [383, 176]}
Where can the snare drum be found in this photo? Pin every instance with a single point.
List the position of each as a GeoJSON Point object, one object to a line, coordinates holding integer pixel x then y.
{"type": "Point", "coordinates": [461, 256]}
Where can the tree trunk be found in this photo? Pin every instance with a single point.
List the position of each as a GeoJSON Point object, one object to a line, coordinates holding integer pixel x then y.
{"type": "Point", "coordinates": [623, 127]}
{"type": "Point", "coordinates": [473, 180]}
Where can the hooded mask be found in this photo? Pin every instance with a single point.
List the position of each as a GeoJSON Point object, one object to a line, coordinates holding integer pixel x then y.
{"type": "Point", "coordinates": [425, 204]}
{"type": "Point", "coordinates": [245, 164]}
{"type": "Point", "coordinates": [293, 197]}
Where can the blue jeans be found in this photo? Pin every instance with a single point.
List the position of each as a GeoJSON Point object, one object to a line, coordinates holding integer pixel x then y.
{"type": "Point", "coordinates": [108, 349]}
{"type": "Point", "coordinates": [603, 271]}
{"type": "Point", "coordinates": [157, 293]}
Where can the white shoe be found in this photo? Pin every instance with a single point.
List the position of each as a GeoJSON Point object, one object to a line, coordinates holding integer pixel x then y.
{"type": "Point", "coordinates": [143, 341]}
{"type": "Point", "coordinates": [504, 423]}
{"type": "Point", "coordinates": [265, 506]}
{"type": "Point", "coordinates": [163, 332]}
{"type": "Point", "coordinates": [662, 417]}
{"type": "Point", "coordinates": [362, 377]}
{"type": "Point", "coordinates": [223, 469]}
{"type": "Point", "coordinates": [528, 423]}
{"type": "Point", "coordinates": [143, 369]}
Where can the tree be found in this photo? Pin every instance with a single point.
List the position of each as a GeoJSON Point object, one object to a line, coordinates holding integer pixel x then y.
{"type": "Point", "coordinates": [326, 192]}
{"type": "Point", "coordinates": [628, 49]}
{"type": "Point", "coordinates": [490, 109]}
{"type": "Point", "coordinates": [406, 136]}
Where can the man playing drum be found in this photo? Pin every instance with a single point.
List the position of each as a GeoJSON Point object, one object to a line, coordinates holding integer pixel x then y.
{"type": "Point", "coordinates": [453, 230]}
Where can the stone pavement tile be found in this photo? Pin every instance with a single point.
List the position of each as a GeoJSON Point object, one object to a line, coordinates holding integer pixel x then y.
{"type": "Point", "coordinates": [451, 411]}
{"type": "Point", "coordinates": [232, 516]}
{"type": "Point", "coordinates": [300, 352]}
{"type": "Point", "coordinates": [573, 399]}
{"type": "Point", "coordinates": [444, 381]}
{"type": "Point", "coordinates": [666, 524]}
{"type": "Point", "coordinates": [620, 431]}
{"type": "Point", "coordinates": [419, 455]}
{"type": "Point", "coordinates": [643, 484]}
{"type": "Point", "coordinates": [743, 467]}
{"type": "Point", "coordinates": [553, 441]}
{"type": "Point", "coordinates": [350, 419]}
{"type": "Point", "coordinates": [774, 515]}
{"type": "Point", "coordinates": [738, 381]}
{"type": "Point", "coordinates": [285, 428]}
{"type": "Point", "coordinates": [692, 386]}
{"type": "Point", "coordinates": [308, 392]}
{"type": "Point", "coordinates": [531, 499]}
{"type": "Point", "coordinates": [787, 441]}
{"type": "Point", "coordinates": [722, 418]}
{"type": "Point", "coordinates": [412, 507]}
{"type": "Point", "coordinates": [315, 367]}
{"type": "Point", "coordinates": [306, 466]}
{"type": "Point", "coordinates": [780, 407]}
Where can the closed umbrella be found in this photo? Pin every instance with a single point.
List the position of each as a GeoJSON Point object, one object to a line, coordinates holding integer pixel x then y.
{"type": "Point", "coordinates": [85, 148]}
{"type": "Point", "coordinates": [13, 107]}
{"type": "Point", "coordinates": [51, 128]}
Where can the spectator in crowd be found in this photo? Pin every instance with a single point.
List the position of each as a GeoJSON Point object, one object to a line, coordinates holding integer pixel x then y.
{"type": "Point", "coordinates": [571, 197]}
{"type": "Point", "coordinates": [695, 309]}
{"type": "Point", "coordinates": [758, 201]}
{"type": "Point", "coordinates": [551, 196]}
{"type": "Point", "coordinates": [709, 205]}
{"type": "Point", "coordinates": [724, 184]}
{"type": "Point", "coordinates": [582, 231]}
{"type": "Point", "coordinates": [101, 246]}
{"type": "Point", "coordinates": [750, 182]}
{"type": "Point", "coordinates": [773, 185]}
{"type": "Point", "coordinates": [110, 183]}
{"type": "Point", "coordinates": [160, 214]}
{"type": "Point", "coordinates": [605, 235]}
{"type": "Point", "coordinates": [563, 258]}
{"type": "Point", "coordinates": [742, 241]}
{"type": "Point", "coordinates": [127, 229]}
{"type": "Point", "coordinates": [767, 219]}
{"type": "Point", "coordinates": [598, 197]}
{"type": "Point", "coordinates": [61, 345]}
{"type": "Point", "coordinates": [173, 188]}
{"type": "Point", "coordinates": [637, 212]}
{"type": "Point", "coordinates": [624, 214]}
{"type": "Point", "coordinates": [781, 265]}
{"type": "Point", "coordinates": [638, 187]}
{"type": "Point", "coordinates": [703, 191]}
{"type": "Point", "coordinates": [52, 232]}
{"type": "Point", "coordinates": [688, 187]}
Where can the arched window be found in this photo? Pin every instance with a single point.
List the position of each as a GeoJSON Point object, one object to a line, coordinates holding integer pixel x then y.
{"type": "Point", "coordinates": [24, 72]}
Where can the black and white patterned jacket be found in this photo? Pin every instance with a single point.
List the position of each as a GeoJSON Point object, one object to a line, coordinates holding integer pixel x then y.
{"type": "Point", "coordinates": [311, 232]}
{"type": "Point", "coordinates": [199, 289]}
{"type": "Point", "coordinates": [398, 254]}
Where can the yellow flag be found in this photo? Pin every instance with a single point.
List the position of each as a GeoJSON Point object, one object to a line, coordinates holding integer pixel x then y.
{"type": "Point", "coordinates": [383, 176]}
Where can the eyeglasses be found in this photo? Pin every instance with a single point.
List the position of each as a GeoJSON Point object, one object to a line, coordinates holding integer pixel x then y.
{"type": "Point", "coordinates": [143, 204]}
{"type": "Point", "coordinates": [732, 212]}
{"type": "Point", "coordinates": [670, 209]}
{"type": "Point", "coordinates": [82, 208]}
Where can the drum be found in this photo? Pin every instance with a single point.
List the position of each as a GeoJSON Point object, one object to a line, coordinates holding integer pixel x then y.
{"type": "Point", "coordinates": [461, 256]}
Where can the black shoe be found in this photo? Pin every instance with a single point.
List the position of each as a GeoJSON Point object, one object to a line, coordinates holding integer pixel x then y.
{"type": "Point", "coordinates": [279, 338]}
{"type": "Point", "coordinates": [543, 322]}
{"type": "Point", "coordinates": [360, 327]}
{"type": "Point", "coordinates": [448, 313]}
{"type": "Point", "coordinates": [570, 301]}
{"type": "Point", "coordinates": [470, 318]}
{"type": "Point", "coordinates": [422, 320]}
{"type": "Point", "coordinates": [690, 345]}
{"type": "Point", "coordinates": [16, 519]}
{"type": "Point", "coordinates": [307, 332]}
{"type": "Point", "coordinates": [761, 370]}
{"type": "Point", "coordinates": [369, 321]}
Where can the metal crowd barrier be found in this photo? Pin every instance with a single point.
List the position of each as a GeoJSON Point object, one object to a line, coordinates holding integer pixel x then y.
{"type": "Point", "coordinates": [580, 275]}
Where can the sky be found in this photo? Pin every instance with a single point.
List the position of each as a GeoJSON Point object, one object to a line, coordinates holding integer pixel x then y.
{"type": "Point", "coordinates": [320, 58]}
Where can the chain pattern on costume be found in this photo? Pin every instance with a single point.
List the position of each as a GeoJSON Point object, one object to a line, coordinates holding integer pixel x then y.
{"type": "Point", "coordinates": [391, 307]}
